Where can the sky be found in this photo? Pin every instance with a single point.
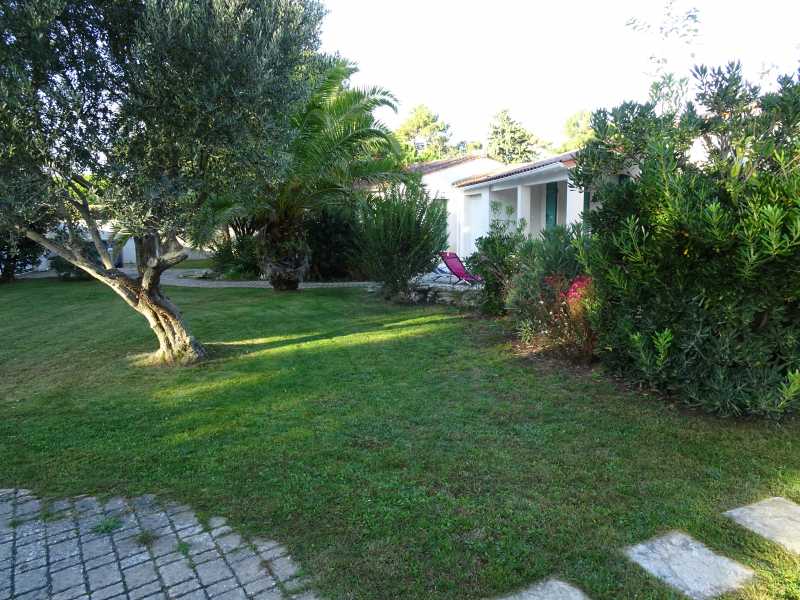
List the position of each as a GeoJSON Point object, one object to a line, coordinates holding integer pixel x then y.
{"type": "Point", "coordinates": [542, 60]}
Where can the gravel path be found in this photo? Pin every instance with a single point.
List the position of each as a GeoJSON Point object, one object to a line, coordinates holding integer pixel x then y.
{"type": "Point", "coordinates": [189, 278]}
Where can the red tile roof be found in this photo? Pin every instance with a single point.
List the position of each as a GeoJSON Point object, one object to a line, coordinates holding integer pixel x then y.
{"type": "Point", "coordinates": [567, 159]}
{"type": "Point", "coordinates": [423, 168]}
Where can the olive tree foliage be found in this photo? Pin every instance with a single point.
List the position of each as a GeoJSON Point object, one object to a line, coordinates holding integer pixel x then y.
{"type": "Point", "coordinates": [133, 115]}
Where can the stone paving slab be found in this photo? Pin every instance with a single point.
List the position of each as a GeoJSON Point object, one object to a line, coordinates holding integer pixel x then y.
{"type": "Point", "coordinates": [776, 519]}
{"type": "Point", "coordinates": [85, 549]}
{"type": "Point", "coordinates": [685, 564]}
{"type": "Point", "coordinates": [552, 589]}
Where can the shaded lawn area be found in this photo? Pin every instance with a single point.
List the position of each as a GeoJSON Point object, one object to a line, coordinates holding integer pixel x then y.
{"type": "Point", "coordinates": [397, 451]}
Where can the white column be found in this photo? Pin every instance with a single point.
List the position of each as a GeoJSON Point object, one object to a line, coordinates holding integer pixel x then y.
{"type": "Point", "coordinates": [574, 204]}
{"type": "Point", "coordinates": [524, 205]}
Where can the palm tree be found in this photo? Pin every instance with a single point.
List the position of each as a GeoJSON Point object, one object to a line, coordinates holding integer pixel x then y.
{"type": "Point", "coordinates": [340, 147]}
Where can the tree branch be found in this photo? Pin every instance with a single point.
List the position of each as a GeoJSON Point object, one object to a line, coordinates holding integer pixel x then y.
{"type": "Point", "coordinates": [91, 224]}
{"type": "Point", "coordinates": [157, 265]}
{"type": "Point", "coordinates": [49, 244]}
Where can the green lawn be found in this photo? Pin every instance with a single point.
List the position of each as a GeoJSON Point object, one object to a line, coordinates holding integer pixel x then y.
{"type": "Point", "coordinates": [398, 451]}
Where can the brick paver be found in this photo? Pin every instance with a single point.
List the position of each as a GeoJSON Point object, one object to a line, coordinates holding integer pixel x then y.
{"type": "Point", "coordinates": [82, 548]}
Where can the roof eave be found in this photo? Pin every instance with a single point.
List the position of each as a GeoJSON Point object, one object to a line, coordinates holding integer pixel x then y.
{"type": "Point", "coordinates": [507, 178]}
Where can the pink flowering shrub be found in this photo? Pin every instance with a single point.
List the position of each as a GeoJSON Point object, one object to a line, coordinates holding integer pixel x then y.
{"type": "Point", "coordinates": [564, 317]}
{"type": "Point", "coordinates": [552, 298]}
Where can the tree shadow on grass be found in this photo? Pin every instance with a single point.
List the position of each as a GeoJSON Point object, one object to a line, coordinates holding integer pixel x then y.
{"type": "Point", "coordinates": [227, 349]}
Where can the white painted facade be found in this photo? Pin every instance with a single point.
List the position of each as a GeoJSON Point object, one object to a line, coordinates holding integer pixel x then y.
{"type": "Point", "coordinates": [519, 191]}
{"type": "Point", "coordinates": [440, 183]}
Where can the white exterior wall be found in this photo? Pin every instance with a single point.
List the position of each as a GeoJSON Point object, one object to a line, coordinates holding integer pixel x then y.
{"type": "Point", "coordinates": [524, 204]}
{"type": "Point", "coordinates": [505, 201]}
{"type": "Point", "coordinates": [477, 217]}
{"type": "Point", "coordinates": [574, 204]}
{"type": "Point", "coordinates": [129, 252]}
{"type": "Point", "coordinates": [529, 191]}
{"type": "Point", "coordinates": [440, 183]}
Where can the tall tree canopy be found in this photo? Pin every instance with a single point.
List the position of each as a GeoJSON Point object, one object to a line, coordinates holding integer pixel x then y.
{"type": "Point", "coordinates": [424, 136]}
{"type": "Point", "coordinates": [134, 115]}
{"type": "Point", "coordinates": [510, 142]}
{"type": "Point", "coordinates": [577, 130]}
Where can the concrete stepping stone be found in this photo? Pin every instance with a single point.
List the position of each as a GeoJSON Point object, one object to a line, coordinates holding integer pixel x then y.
{"type": "Point", "coordinates": [776, 519]}
{"type": "Point", "coordinates": [685, 564]}
{"type": "Point", "coordinates": [552, 589]}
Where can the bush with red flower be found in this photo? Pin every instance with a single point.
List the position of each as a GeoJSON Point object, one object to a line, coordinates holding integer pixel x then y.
{"type": "Point", "coordinates": [551, 298]}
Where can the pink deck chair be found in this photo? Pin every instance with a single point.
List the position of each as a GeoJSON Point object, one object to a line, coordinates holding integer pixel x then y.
{"type": "Point", "coordinates": [457, 268]}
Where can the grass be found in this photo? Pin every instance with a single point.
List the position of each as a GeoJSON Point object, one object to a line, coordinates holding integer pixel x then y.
{"type": "Point", "coordinates": [107, 525]}
{"type": "Point", "coordinates": [183, 548]}
{"type": "Point", "coordinates": [146, 538]}
{"type": "Point", "coordinates": [397, 451]}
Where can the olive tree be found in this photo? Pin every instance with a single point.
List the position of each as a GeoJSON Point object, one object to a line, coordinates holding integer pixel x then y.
{"type": "Point", "coordinates": [133, 115]}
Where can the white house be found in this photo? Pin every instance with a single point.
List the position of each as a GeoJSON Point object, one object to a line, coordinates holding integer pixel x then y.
{"type": "Point", "coordinates": [439, 177]}
{"type": "Point", "coordinates": [538, 192]}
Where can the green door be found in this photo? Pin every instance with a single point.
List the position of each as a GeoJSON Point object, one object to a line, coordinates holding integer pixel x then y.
{"type": "Point", "coordinates": [551, 205]}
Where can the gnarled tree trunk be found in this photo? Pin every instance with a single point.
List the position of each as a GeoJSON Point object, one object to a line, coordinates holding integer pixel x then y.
{"type": "Point", "coordinates": [176, 344]}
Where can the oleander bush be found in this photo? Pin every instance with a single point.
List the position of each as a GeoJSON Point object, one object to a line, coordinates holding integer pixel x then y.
{"type": "Point", "coordinates": [549, 297]}
{"type": "Point", "coordinates": [694, 259]}
{"type": "Point", "coordinates": [496, 260]}
{"type": "Point", "coordinates": [18, 254]}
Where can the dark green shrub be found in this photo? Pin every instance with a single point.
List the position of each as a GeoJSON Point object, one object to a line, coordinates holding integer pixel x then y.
{"type": "Point", "coordinates": [695, 263]}
{"type": "Point", "coordinates": [18, 254]}
{"type": "Point", "coordinates": [236, 258]}
{"type": "Point", "coordinates": [332, 236]}
{"type": "Point", "coordinates": [402, 230]}
{"type": "Point", "coordinates": [496, 260]}
{"type": "Point", "coordinates": [553, 253]}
